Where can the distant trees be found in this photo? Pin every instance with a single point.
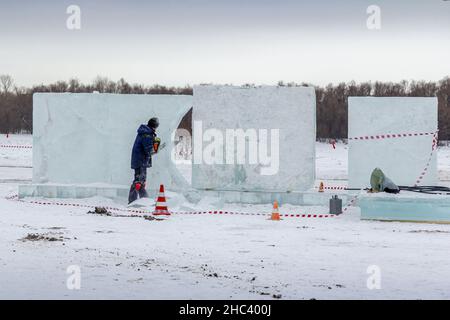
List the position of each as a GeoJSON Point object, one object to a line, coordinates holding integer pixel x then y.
{"type": "Point", "coordinates": [6, 82]}
{"type": "Point", "coordinates": [332, 100]}
{"type": "Point", "coordinates": [16, 104]}
{"type": "Point", "coordinates": [15, 107]}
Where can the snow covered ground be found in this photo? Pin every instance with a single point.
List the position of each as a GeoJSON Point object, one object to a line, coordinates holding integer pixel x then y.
{"type": "Point", "coordinates": [213, 256]}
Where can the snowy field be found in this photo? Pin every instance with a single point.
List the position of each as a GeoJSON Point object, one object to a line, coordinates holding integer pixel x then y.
{"type": "Point", "coordinates": [213, 256]}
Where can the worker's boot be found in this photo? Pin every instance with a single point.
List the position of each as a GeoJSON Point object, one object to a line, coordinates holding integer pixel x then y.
{"type": "Point", "coordinates": [142, 192]}
{"type": "Point", "coordinates": [134, 192]}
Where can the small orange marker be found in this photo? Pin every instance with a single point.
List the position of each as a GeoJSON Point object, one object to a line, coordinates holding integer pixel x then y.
{"type": "Point", "coordinates": [275, 213]}
{"type": "Point", "coordinates": [321, 187]}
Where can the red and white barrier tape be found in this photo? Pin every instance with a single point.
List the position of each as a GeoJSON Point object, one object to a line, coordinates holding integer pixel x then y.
{"type": "Point", "coordinates": [350, 204]}
{"type": "Point", "coordinates": [15, 196]}
{"type": "Point", "coordinates": [405, 135]}
{"type": "Point", "coordinates": [427, 166]}
{"type": "Point", "coordinates": [393, 136]}
{"type": "Point", "coordinates": [212, 212]}
{"type": "Point", "coordinates": [15, 146]}
{"type": "Point", "coordinates": [333, 188]}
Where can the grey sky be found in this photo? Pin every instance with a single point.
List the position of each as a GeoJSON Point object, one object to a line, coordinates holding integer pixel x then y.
{"type": "Point", "coordinates": [197, 41]}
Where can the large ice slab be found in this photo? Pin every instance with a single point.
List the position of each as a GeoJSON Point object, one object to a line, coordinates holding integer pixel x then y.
{"type": "Point", "coordinates": [286, 116]}
{"type": "Point", "coordinates": [374, 127]}
{"type": "Point", "coordinates": [405, 207]}
{"type": "Point", "coordinates": [87, 138]}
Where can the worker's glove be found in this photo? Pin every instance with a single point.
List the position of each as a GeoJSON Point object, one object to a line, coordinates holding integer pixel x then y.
{"type": "Point", "coordinates": [157, 145]}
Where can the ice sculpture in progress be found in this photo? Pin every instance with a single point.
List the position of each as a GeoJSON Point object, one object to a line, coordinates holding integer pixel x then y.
{"type": "Point", "coordinates": [395, 134]}
{"type": "Point", "coordinates": [254, 138]}
{"type": "Point", "coordinates": [87, 138]}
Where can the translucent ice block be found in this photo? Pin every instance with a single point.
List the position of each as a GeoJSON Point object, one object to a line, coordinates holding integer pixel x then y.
{"type": "Point", "coordinates": [291, 110]}
{"type": "Point", "coordinates": [404, 159]}
{"type": "Point", "coordinates": [409, 207]}
{"type": "Point", "coordinates": [87, 138]}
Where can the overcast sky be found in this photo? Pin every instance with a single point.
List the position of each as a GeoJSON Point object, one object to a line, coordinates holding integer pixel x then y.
{"type": "Point", "coordinates": [183, 42]}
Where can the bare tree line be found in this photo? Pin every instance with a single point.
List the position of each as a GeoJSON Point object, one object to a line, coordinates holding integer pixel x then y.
{"type": "Point", "coordinates": [332, 102]}
{"type": "Point", "coordinates": [16, 103]}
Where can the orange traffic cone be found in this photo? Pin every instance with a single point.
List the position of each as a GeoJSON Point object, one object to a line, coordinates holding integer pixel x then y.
{"type": "Point", "coordinates": [321, 187]}
{"type": "Point", "coordinates": [161, 206]}
{"type": "Point", "coordinates": [275, 213]}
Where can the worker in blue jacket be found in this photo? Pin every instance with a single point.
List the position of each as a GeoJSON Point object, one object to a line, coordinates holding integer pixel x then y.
{"type": "Point", "coordinates": [145, 144]}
